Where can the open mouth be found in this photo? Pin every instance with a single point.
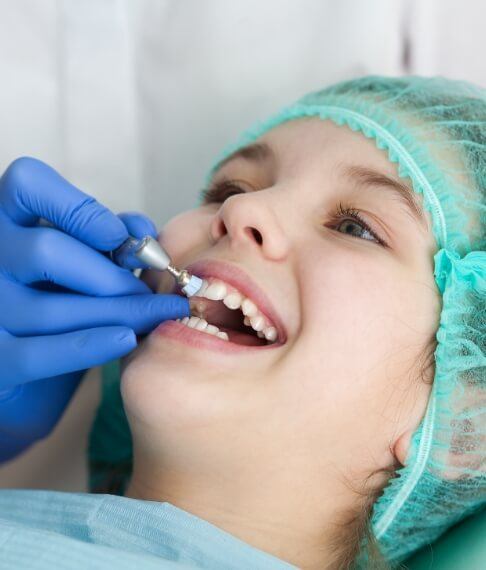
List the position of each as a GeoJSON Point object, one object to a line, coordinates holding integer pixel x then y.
{"type": "Point", "coordinates": [222, 310]}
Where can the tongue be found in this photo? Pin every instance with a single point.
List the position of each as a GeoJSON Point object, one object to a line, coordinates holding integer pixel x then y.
{"type": "Point", "coordinates": [239, 337]}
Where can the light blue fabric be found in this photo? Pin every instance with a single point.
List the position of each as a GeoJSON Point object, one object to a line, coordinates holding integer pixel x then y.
{"type": "Point", "coordinates": [45, 530]}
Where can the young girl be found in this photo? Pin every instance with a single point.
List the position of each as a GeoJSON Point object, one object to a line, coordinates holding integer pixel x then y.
{"type": "Point", "coordinates": [334, 226]}
{"type": "Point", "coordinates": [325, 403]}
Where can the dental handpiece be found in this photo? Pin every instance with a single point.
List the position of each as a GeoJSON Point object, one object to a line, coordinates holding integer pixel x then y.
{"type": "Point", "coordinates": [147, 253]}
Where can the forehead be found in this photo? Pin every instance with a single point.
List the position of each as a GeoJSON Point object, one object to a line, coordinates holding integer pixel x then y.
{"type": "Point", "coordinates": [311, 140]}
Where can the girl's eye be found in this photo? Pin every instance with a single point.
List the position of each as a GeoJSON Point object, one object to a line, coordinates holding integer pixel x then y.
{"type": "Point", "coordinates": [348, 218]}
{"type": "Point", "coordinates": [220, 191]}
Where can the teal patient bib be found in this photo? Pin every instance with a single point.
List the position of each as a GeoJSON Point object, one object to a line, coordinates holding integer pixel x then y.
{"type": "Point", "coordinates": [45, 530]}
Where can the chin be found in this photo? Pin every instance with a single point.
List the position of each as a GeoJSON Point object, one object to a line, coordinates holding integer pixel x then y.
{"type": "Point", "coordinates": [169, 390]}
{"type": "Point", "coordinates": [168, 387]}
{"type": "Point", "coordinates": [149, 389]}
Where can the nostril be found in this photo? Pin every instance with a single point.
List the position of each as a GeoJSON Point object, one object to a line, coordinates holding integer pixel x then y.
{"type": "Point", "coordinates": [257, 235]}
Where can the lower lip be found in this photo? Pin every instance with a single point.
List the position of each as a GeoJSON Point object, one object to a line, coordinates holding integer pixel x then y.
{"type": "Point", "coordinates": [204, 341]}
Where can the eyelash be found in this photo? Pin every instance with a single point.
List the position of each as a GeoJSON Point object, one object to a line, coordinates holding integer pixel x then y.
{"type": "Point", "coordinates": [216, 193]}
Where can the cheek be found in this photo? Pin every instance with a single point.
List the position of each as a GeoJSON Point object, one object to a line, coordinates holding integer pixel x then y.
{"type": "Point", "coordinates": [184, 232]}
{"type": "Point", "coordinates": [354, 294]}
{"type": "Point", "coordinates": [369, 320]}
{"type": "Point", "coordinates": [351, 369]}
{"type": "Point", "coordinates": [364, 298]}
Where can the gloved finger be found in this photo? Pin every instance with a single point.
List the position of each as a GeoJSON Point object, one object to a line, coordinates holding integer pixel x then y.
{"type": "Point", "coordinates": [47, 254]}
{"type": "Point", "coordinates": [33, 358]}
{"type": "Point", "coordinates": [25, 311]}
{"type": "Point", "coordinates": [138, 225]}
{"type": "Point", "coordinates": [30, 189]}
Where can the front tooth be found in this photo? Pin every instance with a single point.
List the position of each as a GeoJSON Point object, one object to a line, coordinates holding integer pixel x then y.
{"type": "Point", "coordinates": [249, 308]}
{"type": "Point", "coordinates": [270, 333]}
{"type": "Point", "coordinates": [212, 329]}
{"type": "Point", "coordinates": [201, 325]}
{"type": "Point", "coordinates": [216, 291]}
{"type": "Point", "coordinates": [257, 322]}
{"type": "Point", "coordinates": [233, 300]}
{"type": "Point", "coordinates": [193, 321]}
{"type": "Point", "coordinates": [222, 335]}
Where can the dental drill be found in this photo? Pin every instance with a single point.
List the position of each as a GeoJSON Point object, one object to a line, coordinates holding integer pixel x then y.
{"type": "Point", "coordinates": [147, 253]}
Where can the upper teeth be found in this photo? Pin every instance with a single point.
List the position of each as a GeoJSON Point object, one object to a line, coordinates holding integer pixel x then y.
{"type": "Point", "coordinates": [217, 290]}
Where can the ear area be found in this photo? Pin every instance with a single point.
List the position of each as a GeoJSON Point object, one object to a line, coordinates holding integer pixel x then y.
{"type": "Point", "coordinates": [402, 446]}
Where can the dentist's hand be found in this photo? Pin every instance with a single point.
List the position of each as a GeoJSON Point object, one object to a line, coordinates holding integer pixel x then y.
{"type": "Point", "coordinates": [64, 306]}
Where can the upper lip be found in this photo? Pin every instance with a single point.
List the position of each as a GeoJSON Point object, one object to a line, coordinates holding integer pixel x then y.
{"type": "Point", "coordinates": [239, 279]}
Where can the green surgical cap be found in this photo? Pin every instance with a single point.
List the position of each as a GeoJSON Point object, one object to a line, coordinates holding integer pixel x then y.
{"type": "Point", "coordinates": [434, 129]}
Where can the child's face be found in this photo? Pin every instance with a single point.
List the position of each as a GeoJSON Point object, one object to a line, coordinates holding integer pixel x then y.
{"type": "Point", "coordinates": [357, 315]}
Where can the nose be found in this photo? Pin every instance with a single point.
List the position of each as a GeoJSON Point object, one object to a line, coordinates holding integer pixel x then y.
{"type": "Point", "coordinates": [249, 222]}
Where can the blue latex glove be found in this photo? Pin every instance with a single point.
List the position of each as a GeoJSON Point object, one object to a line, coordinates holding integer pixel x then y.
{"type": "Point", "coordinates": [64, 306]}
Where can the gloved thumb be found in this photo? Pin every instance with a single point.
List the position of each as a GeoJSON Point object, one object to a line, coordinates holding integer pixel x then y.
{"type": "Point", "coordinates": [142, 313]}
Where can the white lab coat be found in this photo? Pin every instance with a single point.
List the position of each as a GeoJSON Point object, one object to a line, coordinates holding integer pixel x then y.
{"type": "Point", "coordinates": [132, 100]}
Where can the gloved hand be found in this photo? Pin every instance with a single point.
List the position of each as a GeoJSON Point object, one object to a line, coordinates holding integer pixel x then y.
{"type": "Point", "coordinates": [64, 305]}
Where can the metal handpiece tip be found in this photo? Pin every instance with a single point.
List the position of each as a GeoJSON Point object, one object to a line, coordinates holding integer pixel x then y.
{"type": "Point", "coordinates": [195, 283]}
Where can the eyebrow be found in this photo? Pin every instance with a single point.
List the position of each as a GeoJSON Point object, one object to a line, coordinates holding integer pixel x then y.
{"type": "Point", "coordinates": [362, 176]}
{"type": "Point", "coordinates": [256, 152]}
{"type": "Point", "coordinates": [365, 177]}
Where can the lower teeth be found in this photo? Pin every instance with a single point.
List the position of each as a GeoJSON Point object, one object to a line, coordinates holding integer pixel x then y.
{"type": "Point", "coordinates": [208, 329]}
{"type": "Point", "coordinates": [203, 326]}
